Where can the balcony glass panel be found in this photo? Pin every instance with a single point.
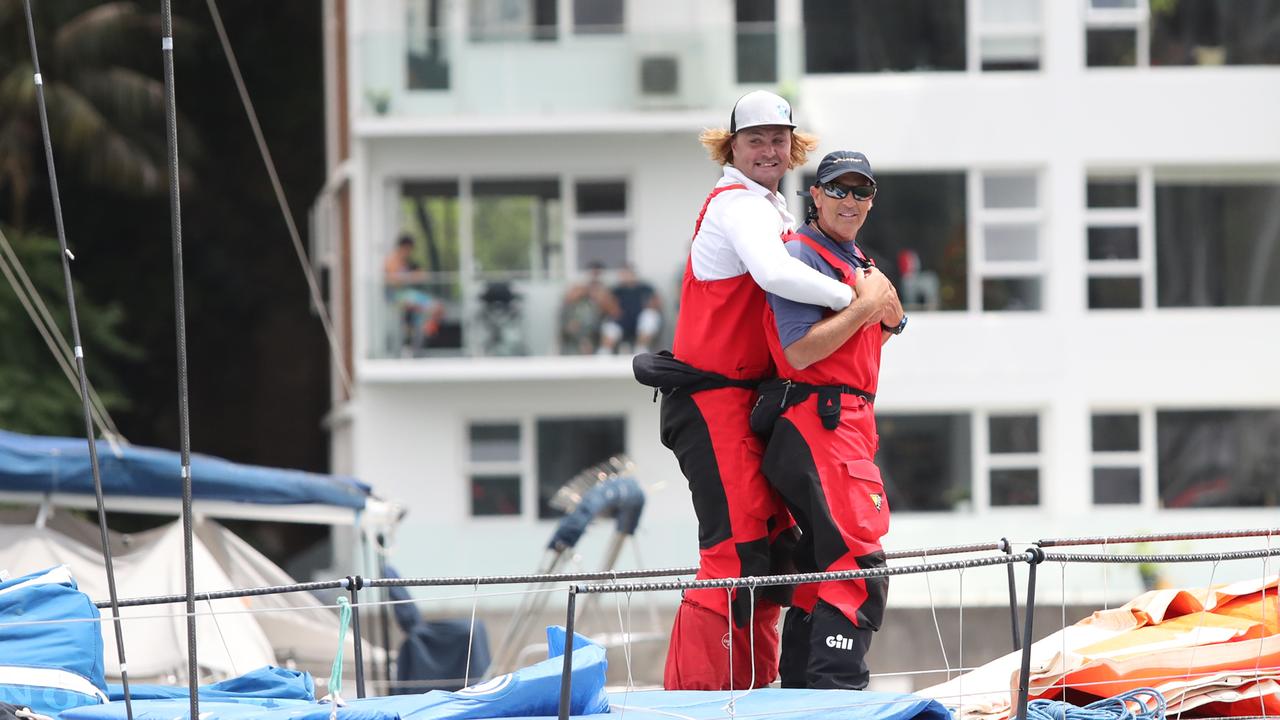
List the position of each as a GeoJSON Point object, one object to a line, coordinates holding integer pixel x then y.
{"type": "Point", "coordinates": [523, 317]}
{"type": "Point", "coordinates": [430, 66]}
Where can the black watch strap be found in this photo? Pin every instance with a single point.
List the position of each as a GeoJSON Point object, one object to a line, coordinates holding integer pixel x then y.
{"type": "Point", "coordinates": [896, 329]}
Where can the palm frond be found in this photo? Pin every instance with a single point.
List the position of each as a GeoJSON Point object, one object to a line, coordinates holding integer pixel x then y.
{"type": "Point", "coordinates": [97, 33]}
{"type": "Point", "coordinates": [127, 96]}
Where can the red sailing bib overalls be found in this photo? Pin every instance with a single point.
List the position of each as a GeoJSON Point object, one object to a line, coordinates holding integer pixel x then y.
{"type": "Point", "coordinates": [739, 515]}
{"type": "Point", "coordinates": [834, 491]}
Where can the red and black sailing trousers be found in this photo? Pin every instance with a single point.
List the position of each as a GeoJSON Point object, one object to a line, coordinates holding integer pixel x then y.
{"type": "Point", "coordinates": [743, 530]}
{"type": "Point", "coordinates": [834, 492]}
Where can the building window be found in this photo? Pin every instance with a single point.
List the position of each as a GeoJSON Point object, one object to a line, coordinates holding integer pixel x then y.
{"type": "Point", "coordinates": [494, 468]}
{"type": "Point", "coordinates": [426, 36]}
{"type": "Point", "coordinates": [757, 40]}
{"type": "Point", "coordinates": [512, 20]}
{"type": "Point", "coordinates": [1116, 223]}
{"type": "Point", "coordinates": [1217, 240]}
{"type": "Point", "coordinates": [917, 235]}
{"type": "Point", "coordinates": [926, 461]}
{"type": "Point", "coordinates": [1116, 458]}
{"type": "Point", "coordinates": [1187, 32]}
{"type": "Point", "coordinates": [1115, 33]}
{"type": "Point", "coordinates": [1218, 458]}
{"type": "Point", "coordinates": [598, 17]}
{"type": "Point", "coordinates": [1013, 446]}
{"type": "Point", "coordinates": [884, 35]}
{"type": "Point", "coordinates": [567, 446]}
{"type": "Point", "coordinates": [1215, 32]}
{"type": "Point", "coordinates": [1008, 34]}
{"type": "Point", "coordinates": [600, 223]}
{"type": "Point", "coordinates": [1010, 263]}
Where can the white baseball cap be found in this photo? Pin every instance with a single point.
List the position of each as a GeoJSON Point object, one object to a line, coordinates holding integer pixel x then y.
{"type": "Point", "coordinates": [760, 107]}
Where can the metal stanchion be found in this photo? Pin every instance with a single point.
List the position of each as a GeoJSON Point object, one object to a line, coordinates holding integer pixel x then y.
{"type": "Point", "coordinates": [566, 675]}
{"type": "Point", "coordinates": [1007, 547]}
{"type": "Point", "coordinates": [356, 583]}
{"type": "Point", "coordinates": [1024, 677]}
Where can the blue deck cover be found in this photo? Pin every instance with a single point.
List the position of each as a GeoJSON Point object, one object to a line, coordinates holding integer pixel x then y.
{"type": "Point", "coordinates": [30, 463]}
{"type": "Point", "coordinates": [46, 665]}
{"type": "Point", "coordinates": [531, 692]}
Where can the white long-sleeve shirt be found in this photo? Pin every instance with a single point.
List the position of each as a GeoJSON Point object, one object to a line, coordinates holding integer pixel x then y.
{"type": "Point", "coordinates": [741, 233]}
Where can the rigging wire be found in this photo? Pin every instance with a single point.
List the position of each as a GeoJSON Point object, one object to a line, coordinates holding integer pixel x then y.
{"type": "Point", "coordinates": [16, 275]}
{"type": "Point", "coordinates": [79, 356]}
{"type": "Point", "coordinates": [180, 321]}
{"type": "Point", "coordinates": [313, 286]}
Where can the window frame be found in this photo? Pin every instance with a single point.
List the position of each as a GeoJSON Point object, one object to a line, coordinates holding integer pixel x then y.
{"type": "Point", "coordinates": [527, 464]}
{"type": "Point", "coordinates": [982, 217]}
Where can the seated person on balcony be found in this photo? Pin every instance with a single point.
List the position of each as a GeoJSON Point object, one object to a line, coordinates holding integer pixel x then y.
{"type": "Point", "coordinates": [587, 305]}
{"type": "Point", "coordinates": [639, 315]}
{"type": "Point", "coordinates": [419, 313]}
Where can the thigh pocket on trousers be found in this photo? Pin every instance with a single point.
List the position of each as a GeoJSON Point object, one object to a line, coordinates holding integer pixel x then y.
{"type": "Point", "coordinates": [868, 512]}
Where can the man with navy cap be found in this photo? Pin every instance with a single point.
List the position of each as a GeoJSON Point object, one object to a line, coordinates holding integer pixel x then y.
{"type": "Point", "coordinates": [820, 454]}
{"type": "Point", "coordinates": [744, 529]}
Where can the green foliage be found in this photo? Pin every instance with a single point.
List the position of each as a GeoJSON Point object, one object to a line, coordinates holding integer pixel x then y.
{"type": "Point", "coordinates": [103, 100]}
{"type": "Point", "coordinates": [35, 396]}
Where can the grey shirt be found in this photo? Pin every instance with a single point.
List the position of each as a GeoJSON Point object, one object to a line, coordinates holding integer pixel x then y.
{"type": "Point", "coordinates": [793, 318]}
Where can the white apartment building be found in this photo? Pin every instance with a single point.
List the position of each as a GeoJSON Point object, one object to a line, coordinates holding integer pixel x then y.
{"type": "Point", "coordinates": [1078, 199]}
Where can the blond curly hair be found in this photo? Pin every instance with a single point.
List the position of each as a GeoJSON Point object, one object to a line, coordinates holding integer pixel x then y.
{"type": "Point", "coordinates": [719, 145]}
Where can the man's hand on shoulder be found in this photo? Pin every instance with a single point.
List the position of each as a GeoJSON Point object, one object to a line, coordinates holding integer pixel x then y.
{"type": "Point", "coordinates": [874, 290]}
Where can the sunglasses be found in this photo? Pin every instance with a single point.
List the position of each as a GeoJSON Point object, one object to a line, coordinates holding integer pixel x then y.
{"type": "Point", "coordinates": [840, 192]}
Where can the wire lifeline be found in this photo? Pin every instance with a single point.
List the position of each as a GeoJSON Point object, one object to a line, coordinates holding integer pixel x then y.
{"type": "Point", "coordinates": [810, 578]}
{"type": "Point", "coordinates": [79, 359]}
{"type": "Point", "coordinates": [180, 322]}
{"type": "Point", "coordinates": [1175, 558]}
{"type": "Point", "coordinates": [1160, 537]}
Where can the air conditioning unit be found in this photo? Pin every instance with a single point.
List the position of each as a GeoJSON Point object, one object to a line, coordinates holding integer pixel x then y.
{"type": "Point", "coordinates": [659, 76]}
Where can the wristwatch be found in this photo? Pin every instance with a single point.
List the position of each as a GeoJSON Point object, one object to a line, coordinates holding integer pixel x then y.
{"type": "Point", "coordinates": [896, 329]}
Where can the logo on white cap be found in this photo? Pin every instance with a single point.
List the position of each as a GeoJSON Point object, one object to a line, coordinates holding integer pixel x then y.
{"type": "Point", "coordinates": [760, 107]}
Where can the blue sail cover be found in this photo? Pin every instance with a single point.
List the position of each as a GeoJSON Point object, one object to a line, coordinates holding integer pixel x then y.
{"type": "Point", "coordinates": [46, 665]}
{"type": "Point", "coordinates": [528, 693]}
{"type": "Point", "coordinates": [534, 690]}
{"type": "Point", "coordinates": [31, 463]}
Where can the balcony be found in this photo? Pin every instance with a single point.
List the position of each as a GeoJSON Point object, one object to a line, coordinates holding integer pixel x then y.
{"type": "Point", "coordinates": [441, 316]}
{"type": "Point", "coordinates": [460, 74]}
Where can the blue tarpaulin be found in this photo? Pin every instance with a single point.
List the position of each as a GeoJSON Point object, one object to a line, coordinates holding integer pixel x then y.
{"type": "Point", "coordinates": [534, 692]}
{"type": "Point", "coordinates": [46, 665]}
{"type": "Point", "coordinates": [31, 463]}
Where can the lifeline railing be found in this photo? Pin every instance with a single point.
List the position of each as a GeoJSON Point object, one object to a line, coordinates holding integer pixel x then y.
{"type": "Point", "coordinates": [1034, 555]}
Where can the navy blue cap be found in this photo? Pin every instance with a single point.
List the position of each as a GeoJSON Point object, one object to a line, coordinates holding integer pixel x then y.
{"type": "Point", "coordinates": [844, 161]}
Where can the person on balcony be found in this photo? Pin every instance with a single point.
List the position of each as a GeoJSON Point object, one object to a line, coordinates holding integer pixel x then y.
{"type": "Point", "coordinates": [743, 527]}
{"type": "Point", "coordinates": [639, 315]}
{"type": "Point", "coordinates": [417, 312]}
{"type": "Point", "coordinates": [820, 453]}
{"type": "Point", "coordinates": [586, 308]}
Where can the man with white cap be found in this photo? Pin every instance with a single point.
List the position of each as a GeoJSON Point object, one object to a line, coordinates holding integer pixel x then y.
{"type": "Point", "coordinates": [743, 527]}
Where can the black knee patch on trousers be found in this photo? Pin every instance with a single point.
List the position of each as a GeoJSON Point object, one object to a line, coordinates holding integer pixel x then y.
{"type": "Point", "coordinates": [837, 651]}
{"type": "Point", "coordinates": [793, 663]}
